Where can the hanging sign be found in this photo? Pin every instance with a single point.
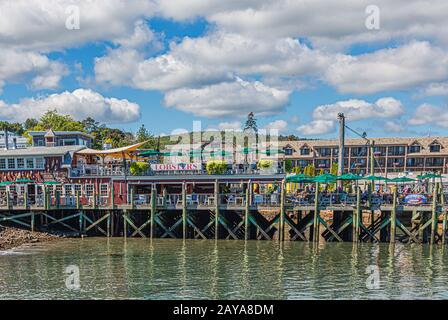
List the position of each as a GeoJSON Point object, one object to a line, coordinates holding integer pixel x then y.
{"type": "Point", "coordinates": [176, 167]}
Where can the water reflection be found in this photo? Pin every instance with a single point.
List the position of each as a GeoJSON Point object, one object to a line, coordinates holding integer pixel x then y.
{"type": "Point", "coordinates": [209, 269]}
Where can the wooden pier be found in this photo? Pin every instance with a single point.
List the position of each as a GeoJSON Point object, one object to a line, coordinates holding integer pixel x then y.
{"type": "Point", "coordinates": [159, 213]}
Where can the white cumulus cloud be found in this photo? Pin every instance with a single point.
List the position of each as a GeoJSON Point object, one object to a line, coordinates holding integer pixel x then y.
{"type": "Point", "coordinates": [80, 104]}
{"type": "Point", "coordinates": [404, 67]}
{"type": "Point", "coordinates": [229, 99]}
{"type": "Point", "coordinates": [355, 109]}
{"type": "Point", "coordinates": [317, 127]}
{"type": "Point", "coordinates": [429, 114]}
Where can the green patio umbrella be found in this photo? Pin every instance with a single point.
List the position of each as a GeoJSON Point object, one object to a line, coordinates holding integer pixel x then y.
{"type": "Point", "coordinates": [6, 183]}
{"type": "Point", "coordinates": [270, 152]}
{"type": "Point", "coordinates": [172, 153]}
{"type": "Point", "coordinates": [197, 152]}
{"type": "Point", "coordinates": [402, 179]}
{"type": "Point", "coordinates": [429, 176]}
{"type": "Point", "coordinates": [349, 176]}
{"type": "Point", "coordinates": [24, 181]}
{"type": "Point", "coordinates": [149, 153]}
{"type": "Point", "coordinates": [372, 178]}
{"type": "Point", "coordinates": [325, 178]}
{"type": "Point", "coordinates": [52, 182]}
{"type": "Point", "coordinates": [299, 178]}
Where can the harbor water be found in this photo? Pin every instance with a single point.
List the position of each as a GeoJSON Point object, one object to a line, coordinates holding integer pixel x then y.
{"type": "Point", "coordinates": [116, 268]}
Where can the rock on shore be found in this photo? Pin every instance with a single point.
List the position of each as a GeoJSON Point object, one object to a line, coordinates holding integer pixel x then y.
{"type": "Point", "coordinates": [13, 237]}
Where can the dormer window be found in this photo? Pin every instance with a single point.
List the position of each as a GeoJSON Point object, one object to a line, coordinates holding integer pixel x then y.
{"type": "Point", "coordinates": [288, 151]}
{"type": "Point", "coordinates": [435, 147]}
{"type": "Point", "coordinates": [414, 148]}
{"type": "Point", "coordinates": [304, 151]}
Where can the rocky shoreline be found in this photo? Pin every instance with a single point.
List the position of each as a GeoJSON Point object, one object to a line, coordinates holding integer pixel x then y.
{"type": "Point", "coordinates": [13, 237]}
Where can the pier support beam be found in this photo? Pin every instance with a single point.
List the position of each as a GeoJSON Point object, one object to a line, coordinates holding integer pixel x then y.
{"type": "Point", "coordinates": [393, 217]}
{"type": "Point", "coordinates": [434, 213]}
{"type": "Point", "coordinates": [216, 210]}
{"type": "Point", "coordinates": [316, 214]}
{"type": "Point", "coordinates": [153, 211]}
{"type": "Point", "coordinates": [282, 212]}
{"type": "Point", "coordinates": [184, 210]}
{"type": "Point", "coordinates": [247, 211]}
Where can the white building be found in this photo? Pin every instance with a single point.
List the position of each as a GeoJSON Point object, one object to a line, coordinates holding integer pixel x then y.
{"type": "Point", "coordinates": [14, 141]}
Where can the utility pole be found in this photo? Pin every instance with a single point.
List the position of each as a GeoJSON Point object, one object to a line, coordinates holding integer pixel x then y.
{"type": "Point", "coordinates": [341, 119]}
{"type": "Point", "coordinates": [372, 158]}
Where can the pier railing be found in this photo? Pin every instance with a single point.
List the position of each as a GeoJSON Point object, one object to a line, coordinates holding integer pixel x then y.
{"type": "Point", "coordinates": [57, 200]}
{"type": "Point", "coordinates": [98, 170]}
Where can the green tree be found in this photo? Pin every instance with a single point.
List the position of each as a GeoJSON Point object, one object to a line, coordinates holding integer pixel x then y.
{"type": "Point", "coordinates": [144, 135]}
{"type": "Point", "coordinates": [11, 127]}
{"type": "Point", "coordinates": [30, 123]}
{"type": "Point", "coordinates": [58, 122]}
{"type": "Point", "coordinates": [251, 125]}
{"type": "Point", "coordinates": [288, 166]}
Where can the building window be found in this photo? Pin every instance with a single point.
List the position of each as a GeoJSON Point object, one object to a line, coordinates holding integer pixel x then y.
{"type": "Point", "coordinates": [304, 151]}
{"type": "Point", "coordinates": [324, 152]}
{"type": "Point", "coordinates": [358, 151]}
{"type": "Point", "coordinates": [89, 190]}
{"type": "Point", "coordinates": [30, 163]}
{"type": "Point", "coordinates": [434, 148]}
{"type": "Point", "coordinates": [69, 142]}
{"type": "Point", "coordinates": [20, 163]}
{"type": "Point", "coordinates": [397, 150]}
{"type": "Point", "coordinates": [40, 163]}
{"type": "Point", "coordinates": [2, 164]}
{"type": "Point", "coordinates": [11, 163]}
{"type": "Point", "coordinates": [434, 162]}
{"type": "Point", "coordinates": [414, 148]}
{"type": "Point", "coordinates": [104, 190]}
{"type": "Point", "coordinates": [288, 152]}
{"type": "Point", "coordinates": [77, 188]}
{"type": "Point", "coordinates": [68, 190]}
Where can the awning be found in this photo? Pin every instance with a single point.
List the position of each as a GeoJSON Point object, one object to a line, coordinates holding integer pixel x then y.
{"type": "Point", "coordinates": [117, 152]}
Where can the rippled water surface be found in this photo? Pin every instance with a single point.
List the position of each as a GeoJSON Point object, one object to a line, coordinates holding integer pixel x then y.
{"type": "Point", "coordinates": [195, 269]}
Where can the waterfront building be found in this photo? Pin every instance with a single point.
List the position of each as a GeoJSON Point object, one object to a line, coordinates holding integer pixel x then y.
{"type": "Point", "coordinates": [391, 155]}
{"type": "Point", "coordinates": [52, 138]}
{"type": "Point", "coordinates": [14, 141]}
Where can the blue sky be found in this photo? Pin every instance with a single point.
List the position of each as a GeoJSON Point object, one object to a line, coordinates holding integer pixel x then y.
{"type": "Point", "coordinates": [166, 64]}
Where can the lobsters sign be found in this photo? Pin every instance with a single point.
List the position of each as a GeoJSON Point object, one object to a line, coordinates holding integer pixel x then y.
{"type": "Point", "coordinates": [175, 167]}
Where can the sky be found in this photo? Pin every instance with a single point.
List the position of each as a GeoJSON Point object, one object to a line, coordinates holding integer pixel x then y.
{"type": "Point", "coordinates": [167, 63]}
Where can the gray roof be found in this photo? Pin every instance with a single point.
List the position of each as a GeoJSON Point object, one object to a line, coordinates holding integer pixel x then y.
{"type": "Point", "coordinates": [60, 133]}
{"type": "Point", "coordinates": [40, 151]}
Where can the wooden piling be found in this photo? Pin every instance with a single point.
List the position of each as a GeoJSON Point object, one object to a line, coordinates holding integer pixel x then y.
{"type": "Point", "coordinates": [247, 212]}
{"type": "Point", "coordinates": [393, 217]}
{"type": "Point", "coordinates": [357, 213]}
{"type": "Point", "coordinates": [184, 211]}
{"type": "Point", "coordinates": [81, 222]}
{"type": "Point", "coordinates": [153, 211]}
{"type": "Point", "coordinates": [32, 222]}
{"type": "Point", "coordinates": [125, 223]}
{"type": "Point", "coordinates": [434, 215]}
{"type": "Point", "coordinates": [108, 223]}
{"type": "Point", "coordinates": [216, 210]}
{"type": "Point", "coordinates": [316, 221]}
{"type": "Point", "coordinates": [282, 212]}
